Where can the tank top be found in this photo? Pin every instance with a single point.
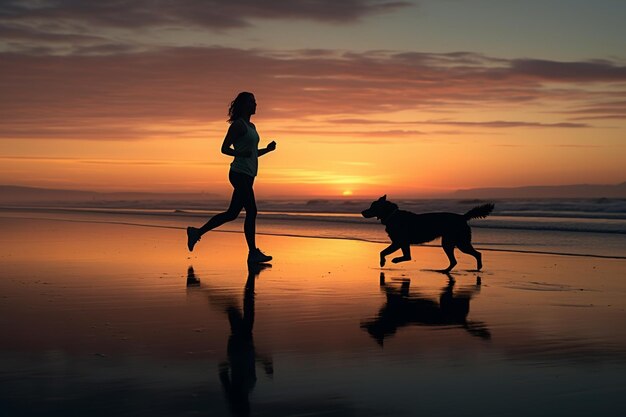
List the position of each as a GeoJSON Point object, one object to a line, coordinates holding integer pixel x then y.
{"type": "Point", "coordinates": [247, 142]}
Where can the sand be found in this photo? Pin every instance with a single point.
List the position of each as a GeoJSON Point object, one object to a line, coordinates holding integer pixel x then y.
{"type": "Point", "coordinates": [109, 319]}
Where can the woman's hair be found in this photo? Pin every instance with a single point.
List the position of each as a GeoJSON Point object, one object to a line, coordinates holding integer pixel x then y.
{"type": "Point", "coordinates": [235, 111]}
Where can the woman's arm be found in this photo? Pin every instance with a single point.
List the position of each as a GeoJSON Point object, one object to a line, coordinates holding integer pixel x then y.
{"type": "Point", "coordinates": [235, 130]}
{"type": "Point", "coordinates": [270, 147]}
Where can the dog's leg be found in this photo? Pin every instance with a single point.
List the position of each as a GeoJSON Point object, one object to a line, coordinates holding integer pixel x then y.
{"type": "Point", "coordinates": [469, 249]}
{"type": "Point", "coordinates": [406, 255]}
{"type": "Point", "coordinates": [448, 248]}
{"type": "Point", "coordinates": [387, 251]}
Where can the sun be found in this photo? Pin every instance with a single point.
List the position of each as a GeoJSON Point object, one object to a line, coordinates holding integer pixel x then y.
{"type": "Point", "coordinates": [347, 193]}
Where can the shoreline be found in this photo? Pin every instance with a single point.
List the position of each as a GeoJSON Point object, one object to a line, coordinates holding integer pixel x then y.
{"type": "Point", "coordinates": [304, 236]}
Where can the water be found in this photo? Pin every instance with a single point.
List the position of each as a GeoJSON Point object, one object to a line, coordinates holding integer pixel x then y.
{"type": "Point", "coordinates": [595, 227]}
{"type": "Point", "coordinates": [100, 318]}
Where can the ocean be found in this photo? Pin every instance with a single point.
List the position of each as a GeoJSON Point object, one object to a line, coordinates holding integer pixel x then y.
{"type": "Point", "coordinates": [577, 227]}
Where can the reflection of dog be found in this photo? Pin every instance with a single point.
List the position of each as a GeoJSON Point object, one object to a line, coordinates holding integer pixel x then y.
{"type": "Point", "coordinates": [404, 308]}
{"type": "Point", "coordinates": [405, 228]}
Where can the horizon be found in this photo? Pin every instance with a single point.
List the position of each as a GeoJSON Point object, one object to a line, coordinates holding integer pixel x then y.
{"type": "Point", "coordinates": [582, 191]}
{"type": "Point", "coordinates": [409, 98]}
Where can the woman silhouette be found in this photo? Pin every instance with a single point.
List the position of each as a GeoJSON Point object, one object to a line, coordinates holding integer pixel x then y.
{"type": "Point", "coordinates": [241, 142]}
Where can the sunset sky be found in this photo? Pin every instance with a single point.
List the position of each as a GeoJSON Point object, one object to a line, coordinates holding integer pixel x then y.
{"type": "Point", "coordinates": [363, 97]}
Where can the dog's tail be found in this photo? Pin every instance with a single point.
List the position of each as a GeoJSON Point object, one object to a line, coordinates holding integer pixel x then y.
{"type": "Point", "coordinates": [479, 212]}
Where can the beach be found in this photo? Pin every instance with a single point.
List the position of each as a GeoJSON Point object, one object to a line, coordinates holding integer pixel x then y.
{"type": "Point", "coordinates": [437, 189]}
{"type": "Point", "coordinates": [102, 317]}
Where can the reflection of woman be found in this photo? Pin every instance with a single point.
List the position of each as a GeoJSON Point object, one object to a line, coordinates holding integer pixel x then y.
{"type": "Point", "coordinates": [241, 142]}
{"type": "Point", "coordinates": [238, 373]}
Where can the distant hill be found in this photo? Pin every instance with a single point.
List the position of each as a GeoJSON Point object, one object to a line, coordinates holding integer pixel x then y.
{"type": "Point", "coordinates": [542, 191]}
{"type": "Point", "coordinates": [16, 195]}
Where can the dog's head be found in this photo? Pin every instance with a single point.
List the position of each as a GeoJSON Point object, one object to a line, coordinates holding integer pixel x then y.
{"type": "Point", "coordinates": [380, 208]}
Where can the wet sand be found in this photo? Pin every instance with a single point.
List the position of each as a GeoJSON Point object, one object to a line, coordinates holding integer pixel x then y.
{"type": "Point", "coordinates": [102, 319]}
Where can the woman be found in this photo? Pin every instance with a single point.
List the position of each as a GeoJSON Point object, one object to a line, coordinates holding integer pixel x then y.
{"type": "Point", "coordinates": [241, 142]}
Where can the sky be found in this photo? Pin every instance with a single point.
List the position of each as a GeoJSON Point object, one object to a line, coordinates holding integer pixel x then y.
{"type": "Point", "coordinates": [363, 97]}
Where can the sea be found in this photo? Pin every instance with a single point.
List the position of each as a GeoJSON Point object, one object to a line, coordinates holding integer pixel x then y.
{"type": "Point", "coordinates": [574, 227]}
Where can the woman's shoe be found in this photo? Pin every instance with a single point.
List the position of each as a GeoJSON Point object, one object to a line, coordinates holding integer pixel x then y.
{"type": "Point", "coordinates": [257, 257]}
{"type": "Point", "coordinates": [193, 236]}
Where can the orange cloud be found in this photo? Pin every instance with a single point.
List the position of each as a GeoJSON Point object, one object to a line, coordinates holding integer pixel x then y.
{"type": "Point", "coordinates": [425, 121]}
{"type": "Point", "coordinates": [179, 92]}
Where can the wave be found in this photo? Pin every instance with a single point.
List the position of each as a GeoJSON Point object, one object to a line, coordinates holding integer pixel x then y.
{"type": "Point", "coordinates": [576, 207]}
{"type": "Point", "coordinates": [555, 222]}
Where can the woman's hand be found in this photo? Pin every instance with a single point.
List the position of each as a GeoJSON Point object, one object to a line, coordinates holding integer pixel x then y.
{"type": "Point", "coordinates": [270, 147]}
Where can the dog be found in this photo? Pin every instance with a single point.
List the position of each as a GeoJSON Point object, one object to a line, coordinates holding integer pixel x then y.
{"type": "Point", "coordinates": [406, 228]}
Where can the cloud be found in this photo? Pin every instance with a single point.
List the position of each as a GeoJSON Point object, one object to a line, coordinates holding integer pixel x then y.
{"type": "Point", "coordinates": [590, 71]}
{"type": "Point", "coordinates": [101, 161]}
{"type": "Point", "coordinates": [184, 92]}
{"type": "Point", "coordinates": [351, 133]}
{"type": "Point", "coordinates": [211, 14]}
{"type": "Point", "coordinates": [487, 124]}
{"type": "Point", "coordinates": [16, 32]}
{"type": "Point", "coordinates": [59, 27]}
{"type": "Point", "coordinates": [315, 176]}
{"type": "Point", "coordinates": [600, 110]}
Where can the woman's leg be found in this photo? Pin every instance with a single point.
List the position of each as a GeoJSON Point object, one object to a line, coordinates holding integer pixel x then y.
{"type": "Point", "coordinates": [249, 204]}
{"type": "Point", "coordinates": [249, 225]}
{"type": "Point", "coordinates": [236, 204]}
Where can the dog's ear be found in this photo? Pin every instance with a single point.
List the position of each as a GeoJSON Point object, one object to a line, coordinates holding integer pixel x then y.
{"type": "Point", "coordinates": [383, 198]}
